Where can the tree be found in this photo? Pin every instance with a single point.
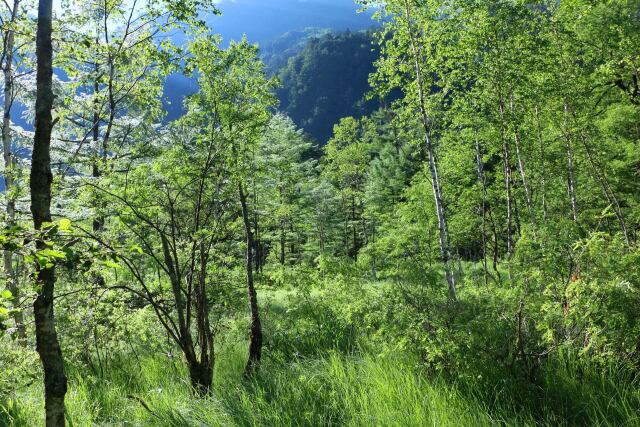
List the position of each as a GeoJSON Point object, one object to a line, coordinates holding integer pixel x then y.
{"type": "Point", "coordinates": [408, 63]}
{"type": "Point", "coordinates": [347, 156]}
{"type": "Point", "coordinates": [238, 94]}
{"type": "Point", "coordinates": [283, 175]}
{"type": "Point", "coordinates": [47, 344]}
{"type": "Point", "coordinates": [41, 180]}
{"type": "Point", "coordinates": [14, 15]}
{"type": "Point", "coordinates": [175, 211]}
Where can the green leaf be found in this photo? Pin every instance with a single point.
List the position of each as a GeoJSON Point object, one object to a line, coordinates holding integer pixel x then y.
{"type": "Point", "coordinates": [65, 224]}
{"type": "Point", "coordinates": [111, 264]}
{"type": "Point", "coordinates": [52, 253]}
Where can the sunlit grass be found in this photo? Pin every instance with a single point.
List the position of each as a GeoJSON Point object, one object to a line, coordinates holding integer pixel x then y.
{"type": "Point", "coordinates": [332, 384]}
{"type": "Point", "coordinates": [335, 390]}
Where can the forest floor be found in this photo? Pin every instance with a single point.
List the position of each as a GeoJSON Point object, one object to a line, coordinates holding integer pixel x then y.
{"type": "Point", "coordinates": [330, 387]}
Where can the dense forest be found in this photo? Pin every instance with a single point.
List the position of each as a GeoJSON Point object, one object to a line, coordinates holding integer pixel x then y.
{"type": "Point", "coordinates": [327, 80]}
{"type": "Point", "coordinates": [462, 251]}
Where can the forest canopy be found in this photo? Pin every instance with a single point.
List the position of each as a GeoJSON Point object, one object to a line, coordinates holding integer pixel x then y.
{"type": "Point", "coordinates": [463, 249]}
{"type": "Point", "coordinates": [328, 80]}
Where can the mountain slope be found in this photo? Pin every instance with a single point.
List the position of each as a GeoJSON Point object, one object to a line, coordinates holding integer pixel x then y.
{"type": "Point", "coordinates": [280, 27]}
{"type": "Point", "coordinates": [328, 80]}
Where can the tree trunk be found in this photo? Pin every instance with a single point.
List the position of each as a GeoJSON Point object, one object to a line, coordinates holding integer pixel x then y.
{"type": "Point", "coordinates": [283, 243]}
{"type": "Point", "coordinates": [543, 172]}
{"type": "Point", "coordinates": [571, 177]}
{"type": "Point", "coordinates": [95, 134]}
{"type": "Point", "coordinates": [506, 162]}
{"type": "Point", "coordinates": [9, 165]}
{"type": "Point", "coordinates": [443, 239]}
{"type": "Point", "coordinates": [202, 373]}
{"type": "Point", "coordinates": [201, 376]}
{"type": "Point", "coordinates": [609, 194]}
{"type": "Point", "coordinates": [521, 169]}
{"type": "Point", "coordinates": [483, 182]}
{"type": "Point", "coordinates": [496, 246]}
{"type": "Point", "coordinates": [47, 345]}
{"type": "Point", "coordinates": [255, 343]}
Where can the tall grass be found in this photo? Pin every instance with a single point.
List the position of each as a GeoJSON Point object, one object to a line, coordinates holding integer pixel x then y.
{"type": "Point", "coordinates": [334, 390]}
{"type": "Point", "coordinates": [317, 372]}
{"type": "Point", "coordinates": [331, 391]}
{"type": "Point", "coordinates": [354, 392]}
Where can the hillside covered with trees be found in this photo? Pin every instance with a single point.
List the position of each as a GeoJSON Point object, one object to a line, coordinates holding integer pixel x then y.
{"type": "Point", "coordinates": [328, 80]}
{"type": "Point", "coordinates": [463, 251]}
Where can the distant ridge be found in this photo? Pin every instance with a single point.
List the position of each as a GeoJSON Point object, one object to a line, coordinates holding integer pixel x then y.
{"type": "Point", "coordinates": [280, 27]}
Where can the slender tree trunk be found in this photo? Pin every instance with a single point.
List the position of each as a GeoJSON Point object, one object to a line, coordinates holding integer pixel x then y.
{"type": "Point", "coordinates": [9, 171]}
{"type": "Point", "coordinates": [571, 175]}
{"type": "Point", "coordinates": [95, 135]}
{"type": "Point", "coordinates": [200, 371]}
{"type": "Point", "coordinates": [543, 175]}
{"type": "Point", "coordinates": [283, 243]}
{"type": "Point", "coordinates": [443, 239]}
{"type": "Point", "coordinates": [506, 161]}
{"type": "Point", "coordinates": [255, 343]}
{"type": "Point", "coordinates": [606, 189]}
{"type": "Point", "coordinates": [496, 246]}
{"type": "Point", "coordinates": [521, 169]}
{"type": "Point", "coordinates": [47, 345]}
{"type": "Point", "coordinates": [483, 182]}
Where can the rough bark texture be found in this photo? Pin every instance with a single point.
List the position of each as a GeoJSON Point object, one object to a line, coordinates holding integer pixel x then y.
{"type": "Point", "coordinates": [255, 343]}
{"type": "Point", "coordinates": [47, 345]}
{"type": "Point", "coordinates": [9, 165]}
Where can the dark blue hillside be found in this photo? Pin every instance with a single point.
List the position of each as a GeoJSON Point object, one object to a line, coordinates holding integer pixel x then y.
{"type": "Point", "coordinates": [281, 26]}
{"type": "Point", "coordinates": [267, 22]}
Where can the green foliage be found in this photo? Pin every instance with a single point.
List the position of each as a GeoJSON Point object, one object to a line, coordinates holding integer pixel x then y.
{"type": "Point", "coordinates": [327, 81]}
{"type": "Point", "coordinates": [375, 383]}
{"type": "Point", "coordinates": [19, 370]}
{"type": "Point", "coordinates": [506, 163]}
{"type": "Point", "coordinates": [284, 180]}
